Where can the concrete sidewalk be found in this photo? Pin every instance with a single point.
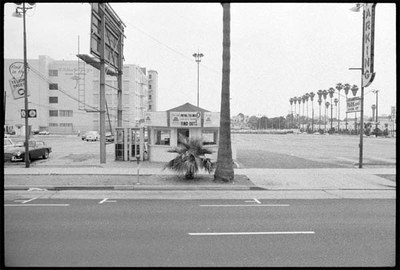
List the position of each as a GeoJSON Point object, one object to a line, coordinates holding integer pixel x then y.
{"type": "Point", "coordinates": [261, 179]}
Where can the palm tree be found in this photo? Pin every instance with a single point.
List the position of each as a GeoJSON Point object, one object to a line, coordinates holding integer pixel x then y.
{"type": "Point", "coordinates": [326, 107]}
{"type": "Point", "coordinates": [331, 91]}
{"type": "Point", "coordinates": [319, 92]}
{"type": "Point", "coordinates": [303, 99]}
{"type": "Point", "coordinates": [339, 87]}
{"type": "Point", "coordinates": [224, 170]}
{"type": "Point", "coordinates": [191, 157]}
{"type": "Point", "coordinates": [295, 102]}
{"type": "Point", "coordinates": [325, 94]}
{"type": "Point", "coordinates": [291, 107]}
{"type": "Point", "coordinates": [336, 100]}
{"type": "Point", "coordinates": [299, 101]}
{"type": "Point", "coordinates": [312, 110]}
{"type": "Point", "coordinates": [307, 95]}
{"type": "Point", "coordinates": [346, 88]}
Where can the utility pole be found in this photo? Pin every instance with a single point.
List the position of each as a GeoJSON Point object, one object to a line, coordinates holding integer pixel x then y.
{"type": "Point", "coordinates": [27, 161]}
{"type": "Point", "coordinates": [102, 84]}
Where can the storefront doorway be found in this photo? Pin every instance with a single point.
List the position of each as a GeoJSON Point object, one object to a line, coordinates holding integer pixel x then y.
{"type": "Point", "coordinates": [183, 132]}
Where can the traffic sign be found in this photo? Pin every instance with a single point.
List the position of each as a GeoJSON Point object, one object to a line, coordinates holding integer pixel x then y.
{"type": "Point", "coordinates": [31, 113]}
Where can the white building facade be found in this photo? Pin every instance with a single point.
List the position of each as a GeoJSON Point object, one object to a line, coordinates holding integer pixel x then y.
{"type": "Point", "coordinates": [66, 97]}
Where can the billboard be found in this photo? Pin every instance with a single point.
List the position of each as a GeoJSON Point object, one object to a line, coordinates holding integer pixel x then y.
{"type": "Point", "coordinates": [113, 36]}
{"type": "Point", "coordinates": [354, 104]}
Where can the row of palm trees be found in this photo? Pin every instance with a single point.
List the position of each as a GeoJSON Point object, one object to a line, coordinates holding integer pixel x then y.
{"type": "Point", "coordinates": [322, 94]}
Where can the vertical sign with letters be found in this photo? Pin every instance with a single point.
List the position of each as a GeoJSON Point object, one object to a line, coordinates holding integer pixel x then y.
{"type": "Point", "coordinates": [368, 44]}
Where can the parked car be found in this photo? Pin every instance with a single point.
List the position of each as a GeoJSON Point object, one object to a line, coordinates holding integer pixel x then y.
{"type": "Point", "coordinates": [37, 149]}
{"type": "Point", "coordinates": [109, 137]}
{"type": "Point", "coordinates": [8, 143]}
{"type": "Point", "coordinates": [91, 136]}
{"type": "Point", "coordinates": [44, 132]}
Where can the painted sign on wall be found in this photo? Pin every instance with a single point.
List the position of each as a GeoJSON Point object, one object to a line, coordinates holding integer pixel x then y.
{"type": "Point", "coordinates": [185, 119]}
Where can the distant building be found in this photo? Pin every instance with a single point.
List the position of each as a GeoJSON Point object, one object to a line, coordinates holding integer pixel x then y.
{"type": "Point", "coordinates": [66, 96]}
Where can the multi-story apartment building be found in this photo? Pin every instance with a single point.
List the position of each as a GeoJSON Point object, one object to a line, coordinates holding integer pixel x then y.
{"type": "Point", "coordinates": [66, 97]}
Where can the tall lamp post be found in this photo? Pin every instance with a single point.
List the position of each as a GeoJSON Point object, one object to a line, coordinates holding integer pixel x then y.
{"type": "Point", "coordinates": [326, 107]}
{"type": "Point", "coordinates": [331, 91]}
{"type": "Point", "coordinates": [198, 57]}
{"type": "Point", "coordinates": [354, 90]}
{"type": "Point", "coordinates": [376, 121]}
{"type": "Point", "coordinates": [17, 13]}
{"type": "Point", "coordinates": [346, 88]}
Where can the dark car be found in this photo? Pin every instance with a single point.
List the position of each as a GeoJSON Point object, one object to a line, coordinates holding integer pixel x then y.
{"type": "Point", "coordinates": [37, 149]}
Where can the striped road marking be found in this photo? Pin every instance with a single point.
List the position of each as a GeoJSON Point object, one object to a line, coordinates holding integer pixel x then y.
{"type": "Point", "coordinates": [249, 233]}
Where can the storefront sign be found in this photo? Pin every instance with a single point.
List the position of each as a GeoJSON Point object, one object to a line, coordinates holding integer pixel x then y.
{"type": "Point", "coordinates": [155, 119]}
{"type": "Point", "coordinates": [17, 88]}
{"type": "Point", "coordinates": [211, 119]}
{"type": "Point", "coordinates": [354, 104]}
{"type": "Point", "coordinates": [185, 119]}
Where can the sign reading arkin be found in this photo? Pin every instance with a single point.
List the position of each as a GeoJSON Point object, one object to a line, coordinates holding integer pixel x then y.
{"type": "Point", "coordinates": [185, 119]}
{"type": "Point", "coordinates": [368, 44]}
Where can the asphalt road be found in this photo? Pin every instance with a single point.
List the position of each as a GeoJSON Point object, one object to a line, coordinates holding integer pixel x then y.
{"type": "Point", "coordinates": [117, 232]}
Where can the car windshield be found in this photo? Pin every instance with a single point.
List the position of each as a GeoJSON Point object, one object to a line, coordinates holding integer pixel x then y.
{"type": "Point", "coordinates": [91, 133]}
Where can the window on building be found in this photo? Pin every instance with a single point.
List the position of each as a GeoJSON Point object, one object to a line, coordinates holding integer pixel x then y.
{"type": "Point", "coordinates": [66, 113]}
{"type": "Point", "coordinates": [149, 97]}
{"type": "Point", "coordinates": [53, 72]}
{"type": "Point", "coordinates": [209, 137]}
{"type": "Point", "coordinates": [162, 137]}
{"type": "Point", "coordinates": [65, 124]}
{"type": "Point", "coordinates": [149, 86]}
{"type": "Point", "coordinates": [150, 76]}
{"type": "Point", "coordinates": [53, 113]}
{"type": "Point", "coordinates": [53, 124]}
{"type": "Point", "coordinates": [53, 86]}
{"type": "Point", "coordinates": [53, 99]}
{"type": "Point", "coordinates": [149, 107]}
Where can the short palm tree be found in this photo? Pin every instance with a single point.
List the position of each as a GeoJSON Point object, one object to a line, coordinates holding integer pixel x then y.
{"type": "Point", "coordinates": [191, 157]}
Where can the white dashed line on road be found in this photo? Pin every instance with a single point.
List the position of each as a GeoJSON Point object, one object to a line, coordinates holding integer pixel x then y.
{"type": "Point", "coordinates": [105, 200]}
{"type": "Point", "coordinates": [36, 204]}
{"type": "Point", "coordinates": [250, 205]}
{"type": "Point", "coordinates": [249, 233]}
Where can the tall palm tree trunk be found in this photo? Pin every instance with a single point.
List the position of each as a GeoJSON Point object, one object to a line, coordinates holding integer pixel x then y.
{"type": "Point", "coordinates": [224, 170]}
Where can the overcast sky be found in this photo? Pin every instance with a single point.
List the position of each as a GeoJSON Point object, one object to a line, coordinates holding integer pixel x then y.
{"type": "Point", "coordinates": [278, 50]}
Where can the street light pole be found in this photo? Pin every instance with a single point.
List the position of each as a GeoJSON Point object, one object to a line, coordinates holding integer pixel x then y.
{"type": "Point", "coordinates": [376, 121]}
{"type": "Point", "coordinates": [198, 57]}
{"type": "Point", "coordinates": [18, 14]}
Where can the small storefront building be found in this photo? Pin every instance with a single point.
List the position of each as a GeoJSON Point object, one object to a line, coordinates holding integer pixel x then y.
{"type": "Point", "coordinates": [191, 121]}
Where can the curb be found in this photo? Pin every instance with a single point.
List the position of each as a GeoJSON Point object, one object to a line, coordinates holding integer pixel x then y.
{"type": "Point", "coordinates": [127, 187]}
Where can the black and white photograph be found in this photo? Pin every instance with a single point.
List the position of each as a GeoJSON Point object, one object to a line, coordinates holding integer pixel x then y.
{"type": "Point", "coordinates": [199, 134]}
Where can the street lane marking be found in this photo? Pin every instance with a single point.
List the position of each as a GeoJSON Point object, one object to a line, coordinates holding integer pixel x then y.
{"type": "Point", "coordinates": [250, 233]}
{"type": "Point", "coordinates": [105, 200]}
{"type": "Point", "coordinates": [25, 201]}
{"type": "Point", "coordinates": [228, 205]}
{"type": "Point", "coordinates": [37, 204]}
{"type": "Point", "coordinates": [254, 200]}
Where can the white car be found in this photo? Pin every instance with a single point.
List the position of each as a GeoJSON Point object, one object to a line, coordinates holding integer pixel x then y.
{"type": "Point", "coordinates": [92, 136]}
{"type": "Point", "coordinates": [44, 132]}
